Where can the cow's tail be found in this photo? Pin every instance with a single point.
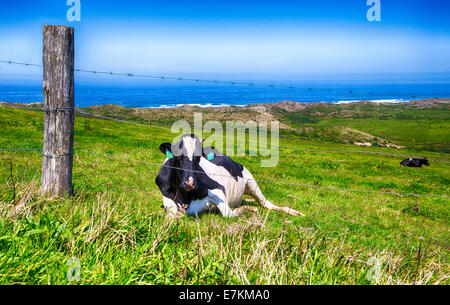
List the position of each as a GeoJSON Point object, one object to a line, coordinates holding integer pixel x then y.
{"type": "Point", "coordinates": [252, 189]}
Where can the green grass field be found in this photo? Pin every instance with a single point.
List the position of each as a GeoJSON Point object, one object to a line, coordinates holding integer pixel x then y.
{"type": "Point", "coordinates": [115, 226]}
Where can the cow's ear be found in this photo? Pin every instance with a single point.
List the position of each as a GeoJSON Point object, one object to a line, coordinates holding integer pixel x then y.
{"type": "Point", "coordinates": [165, 147]}
{"type": "Point", "coordinates": [210, 153]}
{"type": "Point", "coordinates": [206, 150]}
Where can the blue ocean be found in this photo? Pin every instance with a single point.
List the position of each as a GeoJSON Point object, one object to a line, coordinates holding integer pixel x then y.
{"type": "Point", "coordinates": [170, 93]}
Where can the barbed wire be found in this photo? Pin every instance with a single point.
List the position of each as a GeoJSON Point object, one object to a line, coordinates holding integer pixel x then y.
{"type": "Point", "coordinates": [217, 81]}
{"type": "Point", "coordinates": [77, 109]}
{"type": "Point", "coordinates": [237, 177]}
{"type": "Point", "coordinates": [47, 155]}
{"type": "Point", "coordinates": [11, 62]}
{"type": "Point", "coordinates": [20, 149]}
{"type": "Point", "coordinates": [266, 181]}
{"type": "Point", "coordinates": [361, 151]}
{"type": "Point", "coordinates": [277, 146]}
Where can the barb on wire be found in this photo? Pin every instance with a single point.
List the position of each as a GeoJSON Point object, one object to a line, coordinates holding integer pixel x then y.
{"type": "Point", "coordinates": [11, 62]}
{"type": "Point", "coordinates": [57, 156]}
{"type": "Point", "coordinates": [55, 109]}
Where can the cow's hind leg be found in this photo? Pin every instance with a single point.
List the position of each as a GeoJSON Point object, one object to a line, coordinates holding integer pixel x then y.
{"type": "Point", "coordinates": [252, 189]}
{"type": "Point", "coordinates": [218, 197]}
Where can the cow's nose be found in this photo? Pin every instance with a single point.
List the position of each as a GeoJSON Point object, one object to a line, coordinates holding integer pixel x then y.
{"type": "Point", "coordinates": [189, 185]}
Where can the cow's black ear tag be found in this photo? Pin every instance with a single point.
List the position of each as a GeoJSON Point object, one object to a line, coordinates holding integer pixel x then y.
{"type": "Point", "coordinates": [169, 154]}
{"type": "Point", "coordinates": [210, 156]}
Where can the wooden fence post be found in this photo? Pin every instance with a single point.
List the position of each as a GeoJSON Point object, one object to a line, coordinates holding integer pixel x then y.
{"type": "Point", "coordinates": [58, 90]}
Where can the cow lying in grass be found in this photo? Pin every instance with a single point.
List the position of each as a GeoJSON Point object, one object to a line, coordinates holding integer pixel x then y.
{"type": "Point", "coordinates": [415, 162]}
{"type": "Point", "coordinates": [196, 179]}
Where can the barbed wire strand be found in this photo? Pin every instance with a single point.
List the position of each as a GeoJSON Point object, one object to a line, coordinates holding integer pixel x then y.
{"type": "Point", "coordinates": [236, 177]}
{"type": "Point", "coordinates": [77, 109]}
{"type": "Point", "coordinates": [223, 82]}
{"type": "Point", "coordinates": [47, 155]}
{"type": "Point", "coordinates": [277, 146]}
{"type": "Point", "coordinates": [266, 181]}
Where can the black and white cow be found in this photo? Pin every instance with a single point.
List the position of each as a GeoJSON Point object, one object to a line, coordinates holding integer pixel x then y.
{"type": "Point", "coordinates": [196, 179]}
{"type": "Point", "coordinates": [415, 162]}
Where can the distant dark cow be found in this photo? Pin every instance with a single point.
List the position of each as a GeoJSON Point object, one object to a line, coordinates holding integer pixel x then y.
{"type": "Point", "coordinates": [196, 179]}
{"type": "Point", "coordinates": [415, 162]}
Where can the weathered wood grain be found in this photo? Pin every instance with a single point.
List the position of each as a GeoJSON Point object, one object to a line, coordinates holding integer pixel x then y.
{"type": "Point", "coordinates": [58, 90]}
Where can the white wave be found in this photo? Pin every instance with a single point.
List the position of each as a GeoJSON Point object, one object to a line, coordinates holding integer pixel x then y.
{"type": "Point", "coordinates": [374, 101]}
{"type": "Point", "coordinates": [193, 105]}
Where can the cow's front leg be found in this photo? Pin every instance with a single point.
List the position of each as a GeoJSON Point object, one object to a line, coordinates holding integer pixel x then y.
{"type": "Point", "coordinates": [171, 208]}
{"type": "Point", "coordinates": [196, 207]}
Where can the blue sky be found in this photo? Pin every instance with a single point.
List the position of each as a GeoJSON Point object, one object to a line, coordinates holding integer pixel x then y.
{"type": "Point", "coordinates": [252, 37]}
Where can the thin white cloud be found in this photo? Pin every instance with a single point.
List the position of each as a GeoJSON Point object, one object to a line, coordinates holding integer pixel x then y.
{"type": "Point", "coordinates": [268, 63]}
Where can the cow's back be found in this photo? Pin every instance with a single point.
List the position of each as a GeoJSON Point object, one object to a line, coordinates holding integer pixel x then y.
{"type": "Point", "coordinates": [405, 162]}
{"type": "Point", "coordinates": [229, 174]}
{"type": "Point", "coordinates": [234, 168]}
{"type": "Point", "coordinates": [412, 162]}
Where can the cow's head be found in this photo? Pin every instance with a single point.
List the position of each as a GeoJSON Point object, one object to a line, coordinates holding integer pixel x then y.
{"type": "Point", "coordinates": [425, 161]}
{"type": "Point", "coordinates": [186, 154]}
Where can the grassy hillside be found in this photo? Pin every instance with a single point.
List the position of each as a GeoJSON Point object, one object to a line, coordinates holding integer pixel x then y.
{"type": "Point", "coordinates": [420, 125]}
{"type": "Point", "coordinates": [115, 226]}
